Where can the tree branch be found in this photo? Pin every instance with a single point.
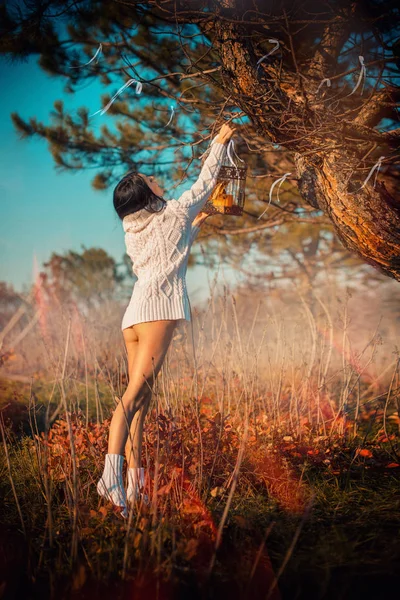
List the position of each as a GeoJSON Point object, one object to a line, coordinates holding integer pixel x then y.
{"type": "Point", "coordinates": [371, 112]}
{"type": "Point", "coordinates": [332, 40]}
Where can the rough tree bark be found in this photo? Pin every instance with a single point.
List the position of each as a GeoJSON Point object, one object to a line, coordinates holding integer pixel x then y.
{"type": "Point", "coordinates": [366, 219]}
{"type": "Point", "coordinates": [331, 135]}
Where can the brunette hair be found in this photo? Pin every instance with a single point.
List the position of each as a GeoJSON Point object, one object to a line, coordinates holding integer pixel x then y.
{"type": "Point", "coordinates": [132, 194]}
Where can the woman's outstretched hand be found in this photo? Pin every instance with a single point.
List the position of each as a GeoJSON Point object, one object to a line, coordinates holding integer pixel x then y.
{"type": "Point", "coordinates": [225, 134]}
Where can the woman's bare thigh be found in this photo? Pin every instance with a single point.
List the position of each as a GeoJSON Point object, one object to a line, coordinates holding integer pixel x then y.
{"type": "Point", "coordinates": [150, 342]}
{"type": "Point", "coordinates": [131, 340]}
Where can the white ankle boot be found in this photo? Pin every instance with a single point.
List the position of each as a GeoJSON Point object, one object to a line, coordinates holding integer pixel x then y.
{"type": "Point", "coordinates": [135, 489]}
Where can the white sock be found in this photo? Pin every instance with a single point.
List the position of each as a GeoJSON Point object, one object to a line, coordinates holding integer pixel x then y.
{"type": "Point", "coordinates": [136, 484]}
{"type": "Point", "coordinates": [111, 485]}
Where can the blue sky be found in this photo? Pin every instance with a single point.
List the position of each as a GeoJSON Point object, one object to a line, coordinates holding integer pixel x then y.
{"type": "Point", "coordinates": [44, 210]}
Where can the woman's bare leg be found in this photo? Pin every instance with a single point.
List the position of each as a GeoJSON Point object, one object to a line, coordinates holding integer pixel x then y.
{"type": "Point", "coordinates": [154, 339]}
{"type": "Point", "coordinates": [133, 446]}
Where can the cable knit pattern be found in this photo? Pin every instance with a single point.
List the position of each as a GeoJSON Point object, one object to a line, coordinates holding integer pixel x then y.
{"type": "Point", "coordinates": [159, 246]}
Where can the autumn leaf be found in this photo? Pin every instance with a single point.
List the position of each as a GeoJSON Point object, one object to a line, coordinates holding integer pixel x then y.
{"type": "Point", "coordinates": [395, 417]}
{"type": "Point", "coordinates": [365, 453]}
{"type": "Point", "coordinates": [203, 523]}
{"type": "Point", "coordinates": [241, 521]}
{"type": "Point", "coordinates": [191, 548]}
{"type": "Point", "coordinates": [165, 489]}
{"type": "Point", "coordinates": [217, 491]}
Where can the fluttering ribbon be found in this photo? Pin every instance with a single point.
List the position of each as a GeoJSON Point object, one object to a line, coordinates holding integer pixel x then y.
{"type": "Point", "coordinates": [121, 89]}
{"type": "Point", "coordinates": [170, 119]}
{"type": "Point", "coordinates": [172, 114]}
{"type": "Point", "coordinates": [376, 166]}
{"type": "Point", "coordinates": [88, 63]}
{"type": "Point", "coordinates": [231, 146]}
{"type": "Point", "coordinates": [279, 181]}
{"type": "Point", "coordinates": [362, 72]}
{"type": "Point", "coordinates": [273, 41]}
{"type": "Point", "coordinates": [327, 81]}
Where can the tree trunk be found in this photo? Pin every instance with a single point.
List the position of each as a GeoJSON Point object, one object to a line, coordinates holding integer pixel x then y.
{"type": "Point", "coordinates": [366, 220]}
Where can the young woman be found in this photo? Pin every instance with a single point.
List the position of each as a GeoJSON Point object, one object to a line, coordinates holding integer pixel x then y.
{"type": "Point", "coordinates": [158, 237]}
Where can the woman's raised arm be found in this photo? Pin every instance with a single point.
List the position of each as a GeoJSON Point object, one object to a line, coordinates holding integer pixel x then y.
{"type": "Point", "coordinates": [196, 197]}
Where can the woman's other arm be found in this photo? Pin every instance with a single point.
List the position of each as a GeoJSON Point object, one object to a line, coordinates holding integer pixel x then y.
{"type": "Point", "coordinates": [201, 217]}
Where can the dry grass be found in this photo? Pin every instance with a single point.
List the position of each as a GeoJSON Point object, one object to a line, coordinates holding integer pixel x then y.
{"type": "Point", "coordinates": [272, 452]}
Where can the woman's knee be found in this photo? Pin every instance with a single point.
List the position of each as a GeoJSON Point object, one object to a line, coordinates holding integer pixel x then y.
{"type": "Point", "coordinates": [137, 395]}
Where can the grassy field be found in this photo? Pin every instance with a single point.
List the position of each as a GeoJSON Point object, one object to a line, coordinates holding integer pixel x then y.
{"type": "Point", "coordinates": [272, 474]}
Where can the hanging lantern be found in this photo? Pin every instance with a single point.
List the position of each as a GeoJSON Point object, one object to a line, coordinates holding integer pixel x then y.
{"type": "Point", "coordinates": [228, 195]}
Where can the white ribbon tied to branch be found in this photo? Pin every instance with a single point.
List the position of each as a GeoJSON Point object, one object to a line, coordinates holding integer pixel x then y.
{"type": "Point", "coordinates": [376, 167]}
{"type": "Point", "coordinates": [273, 41]}
{"type": "Point", "coordinates": [362, 72]}
{"type": "Point", "coordinates": [278, 181]}
{"type": "Point", "coordinates": [170, 119]}
{"type": "Point", "coordinates": [327, 81]}
{"type": "Point", "coordinates": [121, 89]}
{"type": "Point", "coordinates": [88, 63]}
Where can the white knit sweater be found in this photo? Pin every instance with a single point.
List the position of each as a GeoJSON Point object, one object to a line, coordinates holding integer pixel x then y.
{"type": "Point", "coordinates": [159, 246]}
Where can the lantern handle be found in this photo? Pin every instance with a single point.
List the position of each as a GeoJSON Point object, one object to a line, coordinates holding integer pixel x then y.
{"type": "Point", "coordinates": [231, 145]}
